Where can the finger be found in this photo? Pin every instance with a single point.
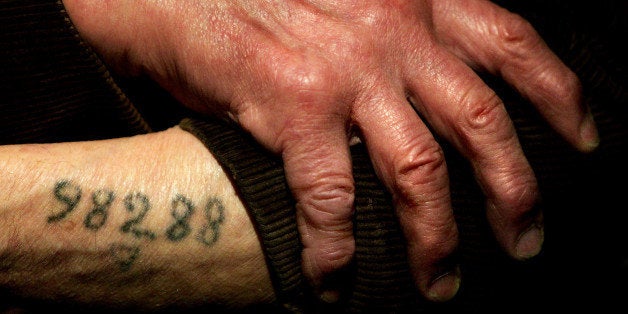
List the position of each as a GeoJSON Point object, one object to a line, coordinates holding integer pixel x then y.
{"type": "Point", "coordinates": [318, 171]}
{"type": "Point", "coordinates": [469, 114]}
{"type": "Point", "coordinates": [412, 166]}
{"type": "Point", "coordinates": [305, 119]}
{"type": "Point", "coordinates": [503, 43]}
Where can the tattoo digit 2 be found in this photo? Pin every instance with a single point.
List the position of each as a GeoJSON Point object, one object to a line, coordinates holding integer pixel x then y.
{"type": "Point", "coordinates": [130, 226]}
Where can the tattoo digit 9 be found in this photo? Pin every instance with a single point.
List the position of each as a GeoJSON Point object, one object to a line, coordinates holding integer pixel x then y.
{"type": "Point", "coordinates": [69, 194]}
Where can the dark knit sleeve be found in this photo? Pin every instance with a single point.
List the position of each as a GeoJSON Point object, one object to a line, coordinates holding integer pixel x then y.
{"type": "Point", "coordinates": [53, 87]}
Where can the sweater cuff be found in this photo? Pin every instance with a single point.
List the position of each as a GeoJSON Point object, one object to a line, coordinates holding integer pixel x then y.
{"type": "Point", "coordinates": [380, 276]}
{"type": "Point", "coordinates": [260, 182]}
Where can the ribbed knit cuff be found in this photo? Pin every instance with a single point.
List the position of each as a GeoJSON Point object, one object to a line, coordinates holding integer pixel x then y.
{"type": "Point", "coordinates": [259, 179]}
{"type": "Point", "coordinates": [382, 282]}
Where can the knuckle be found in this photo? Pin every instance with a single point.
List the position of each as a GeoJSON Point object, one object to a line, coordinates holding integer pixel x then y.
{"type": "Point", "coordinates": [569, 88]}
{"type": "Point", "coordinates": [516, 35]}
{"type": "Point", "coordinates": [518, 195]}
{"type": "Point", "coordinates": [571, 82]}
{"type": "Point", "coordinates": [378, 15]}
{"type": "Point", "coordinates": [335, 253]}
{"type": "Point", "coordinates": [478, 114]}
{"type": "Point", "coordinates": [373, 16]}
{"type": "Point", "coordinates": [481, 122]}
{"type": "Point", "coordinates": [307, 80]}
{"type": "Point", "coordinates": [349, 46]}
{"type": "Point", "coordinates": [328, 205]}
{"type": "Point", "coordinates": [418, 164]}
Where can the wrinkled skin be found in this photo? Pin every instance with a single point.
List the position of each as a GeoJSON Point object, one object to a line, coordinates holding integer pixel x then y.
{"type": "Point", "coordinates": [303, 77]}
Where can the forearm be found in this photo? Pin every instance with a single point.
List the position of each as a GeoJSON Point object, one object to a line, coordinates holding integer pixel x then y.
{"type": "Point", "coordinates": [146, 221]}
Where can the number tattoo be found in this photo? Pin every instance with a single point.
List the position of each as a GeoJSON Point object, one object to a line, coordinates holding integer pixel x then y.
{"type": "Point", "coordinates": [181, 227]}
{"type": "Point", "coordinates": [138, 204]}
{"type": "Point", "coordinates": [215, 215]}
{"type": "Point", "coordinates": [131, 226]}
{"type": "Point", "coordinates": [69, 194]}
{"type": "Point", "coordinates": [124, 255]}
{"type": "Point", "coordinates": [102, 200]}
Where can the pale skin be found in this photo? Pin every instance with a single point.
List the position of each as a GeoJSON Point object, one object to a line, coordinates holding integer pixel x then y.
{"type": "Point", "coordinates": [81, 256]}
{"type": "Point", "coordinates": [303, 77]}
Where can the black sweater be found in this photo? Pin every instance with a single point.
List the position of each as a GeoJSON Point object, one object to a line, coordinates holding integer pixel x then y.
{"type": "Point", "coordinates": [55, 88]}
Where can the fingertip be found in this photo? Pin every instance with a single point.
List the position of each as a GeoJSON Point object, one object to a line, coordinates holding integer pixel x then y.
{"type": "Point", "coordinates": [436, 271]}
{"type": "Point", "coordinates": [326, 265]}
{"type": "Point", "coordinates": [329, 282]}
{"type": "Point", "coordinates": [530, 242]}
{"type": "Point", "coordinates": [444, 286]}
{"type": "Point", "coordinates": [329, 296]}
{"type": "Point", "coordinates": [521, 237]}
{"type": "Point", "coordinates": [589, 135]}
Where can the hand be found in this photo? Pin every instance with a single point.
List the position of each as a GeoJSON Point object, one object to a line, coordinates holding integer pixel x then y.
{"type": "Point", "coordinates": [302, 76]}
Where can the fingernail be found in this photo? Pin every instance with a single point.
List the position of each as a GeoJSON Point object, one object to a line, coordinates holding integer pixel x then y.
{"type": "Point", "coordinates": [329, 296]}
{"type": "Point", "coordinates": [444, 286]}
{"type": "Point", "coordinates": [333, 286]}
{"type": "Point", "coordinates": [530, 242]}
{"type": "Point", "coordinates": [588, 133]}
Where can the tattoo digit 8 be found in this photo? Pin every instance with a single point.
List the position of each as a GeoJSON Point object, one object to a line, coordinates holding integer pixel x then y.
{"type": "Point", "coordinates": [215, 215]}
{"type": "Point", "coordinates": [181, 227]}
{"type": "Point", "coordinates": [102, 200]}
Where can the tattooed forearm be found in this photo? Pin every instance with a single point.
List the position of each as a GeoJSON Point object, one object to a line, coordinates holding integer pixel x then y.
{"type": "Point", "coordinates": [138, 206]}
{"type": "Point", "coordinates": [115, 223]}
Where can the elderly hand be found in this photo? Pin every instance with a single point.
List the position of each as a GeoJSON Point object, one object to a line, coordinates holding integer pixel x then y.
{"type": "Point", "coordinates": [303, 76]}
